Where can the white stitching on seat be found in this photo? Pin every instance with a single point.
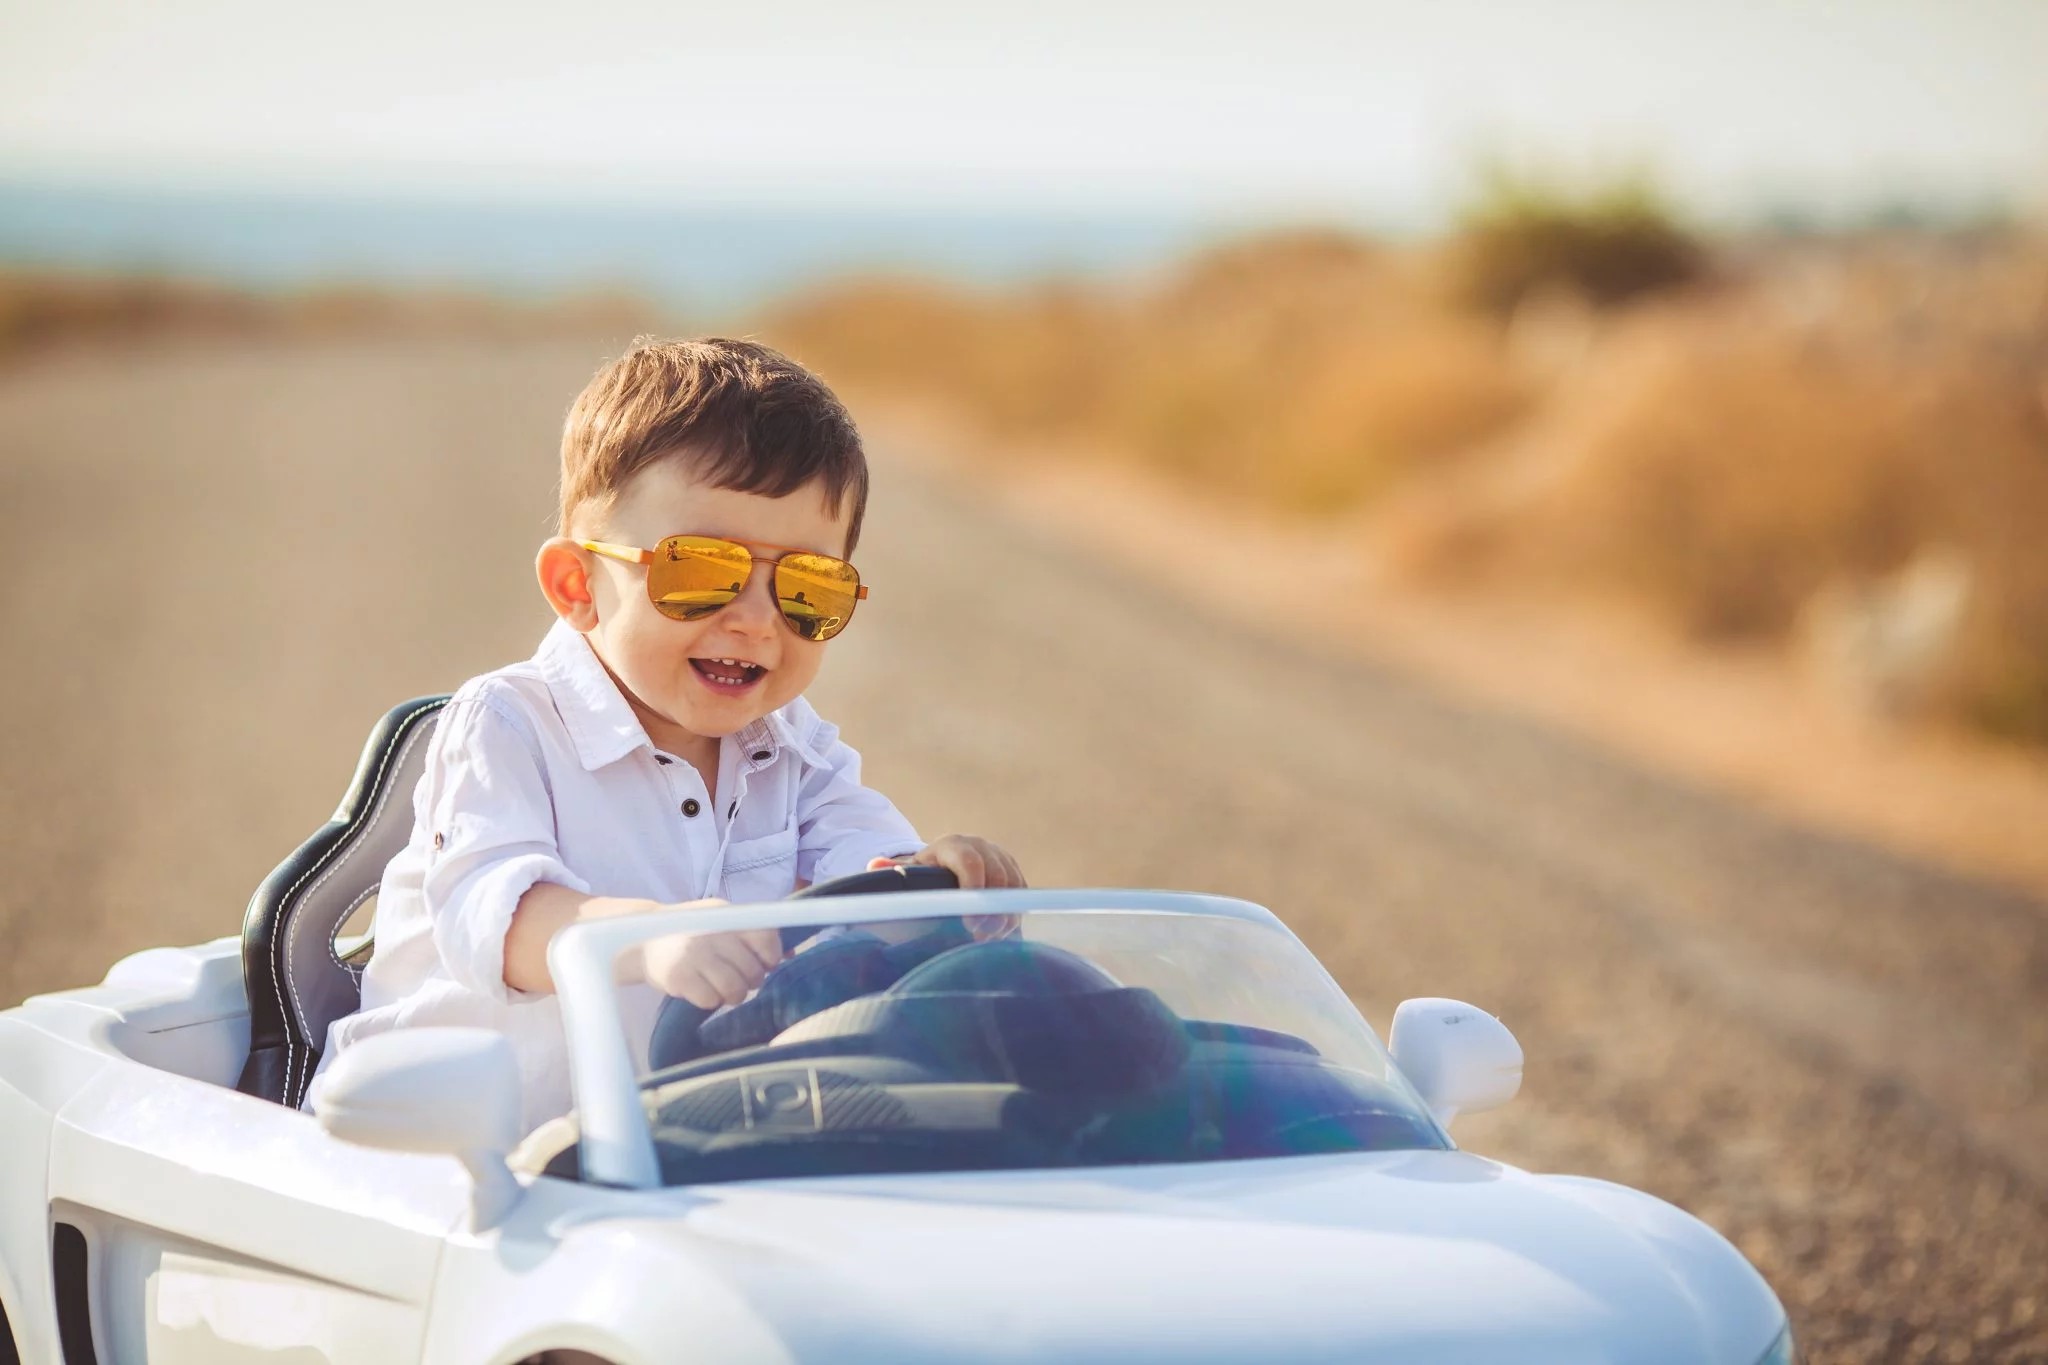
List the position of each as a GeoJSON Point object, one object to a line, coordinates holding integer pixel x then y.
{"type": "Point", "coordinates": [351, 841]}
{"type": "Point", "coordinates": [342, 851]}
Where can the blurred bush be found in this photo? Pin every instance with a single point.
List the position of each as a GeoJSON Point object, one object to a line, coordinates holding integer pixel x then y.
{"type": "Point", "coordinates": [1740, 479]}
{"type": "Point", "coordinates": [1309, 370]}
{"type": "Point", "coordinates": [1526, 233]}
{"type": "Point", "coordinates": [1844, 452]}
{"type": "Point", "coordinates": [1833, 447]}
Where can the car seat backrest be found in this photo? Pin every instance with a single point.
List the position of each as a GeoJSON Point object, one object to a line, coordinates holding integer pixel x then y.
{"type": "Point", "coordinates": [297, 978]}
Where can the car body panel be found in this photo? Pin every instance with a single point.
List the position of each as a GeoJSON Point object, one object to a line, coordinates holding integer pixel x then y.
{"type": "Point", "coordinates": [1389, 1257]}
{"type": "Point", "coordinates": [214, 1221]}
{"type": "Point", "coordinates": [225, 1228]}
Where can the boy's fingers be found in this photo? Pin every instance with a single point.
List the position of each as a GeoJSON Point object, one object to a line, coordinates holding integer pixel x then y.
{"type": "Point", "coordinates": [988, 927]}
{"type": "Point", "coordinates": [877, 864]}
{"type": "Point", "coordinates": [967, 864]}
{"type": "Point", "coordinates": [764, 944]}
{"type": "Point", "coordinates": [696, 991]}
{"type": "Point", "coordinates": [681, 979]}
{"type": "Point", "coordinates": [723, 978]}
{"type": "Point", "coordinates": [1005, 869]}
{"type": "Point", "coordinates": [739, 955]}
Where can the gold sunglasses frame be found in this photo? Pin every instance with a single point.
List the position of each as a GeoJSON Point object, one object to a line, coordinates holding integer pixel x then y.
{"type": "Point", "coordinates": [634, 554]}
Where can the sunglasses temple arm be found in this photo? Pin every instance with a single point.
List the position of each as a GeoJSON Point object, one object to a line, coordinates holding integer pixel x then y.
{"type": "Point", "coordinates": [631, 554]}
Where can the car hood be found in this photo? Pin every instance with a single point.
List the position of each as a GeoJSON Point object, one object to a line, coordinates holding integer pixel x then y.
{"type": "Point", "coordinates": [1437, 1256]}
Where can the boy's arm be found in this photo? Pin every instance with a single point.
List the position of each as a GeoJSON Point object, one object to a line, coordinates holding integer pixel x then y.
{"type": "Point", "coordinates": [545, 910]}
{"type": "Point", "coordinates": [485, 814]}
{"type": "Point", "coordinates": [708, 970]}
{"type": "Point", "coordinates": [842, 826]}
{"type": "Point", "coordinates": [848, 827]}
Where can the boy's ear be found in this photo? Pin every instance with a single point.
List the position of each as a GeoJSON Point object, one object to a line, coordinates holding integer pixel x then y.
{"type": "Point", "coordinates": [563, 567]}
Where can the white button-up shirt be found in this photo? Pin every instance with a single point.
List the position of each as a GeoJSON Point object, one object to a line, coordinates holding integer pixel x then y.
{"type": "Point", "coordinates": [540, 772]}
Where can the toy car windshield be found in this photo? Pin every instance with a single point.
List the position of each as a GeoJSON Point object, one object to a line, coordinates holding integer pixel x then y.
{"type": "Point", "coordinates": [1050, 1037]}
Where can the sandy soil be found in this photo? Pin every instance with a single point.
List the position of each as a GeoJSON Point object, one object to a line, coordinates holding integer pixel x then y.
{"type": "Point", "coordinates": [228, 561]}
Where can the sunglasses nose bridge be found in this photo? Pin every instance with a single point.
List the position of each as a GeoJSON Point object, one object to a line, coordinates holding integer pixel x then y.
{"type": "Point", "coordinates": [755, 607]}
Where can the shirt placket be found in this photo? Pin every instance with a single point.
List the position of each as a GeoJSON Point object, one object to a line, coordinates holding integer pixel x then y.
{"type": "Point", "coordinates": [691, 801]}
{"type": "Point", "coordinates": [736, 765]}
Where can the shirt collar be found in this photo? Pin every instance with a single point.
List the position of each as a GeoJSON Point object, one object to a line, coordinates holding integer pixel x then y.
{"type": "Point", "coordinates": [601, 722]}
{"type": "Point", "coordinates": [776, 731]}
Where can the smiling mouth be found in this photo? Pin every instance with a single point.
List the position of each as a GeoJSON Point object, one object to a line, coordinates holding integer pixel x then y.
{"type": "Point", "coordinates": [728, 675]}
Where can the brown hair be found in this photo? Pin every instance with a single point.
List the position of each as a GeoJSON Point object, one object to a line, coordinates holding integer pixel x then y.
{"type": "Point", "coordinates": [746, 418]}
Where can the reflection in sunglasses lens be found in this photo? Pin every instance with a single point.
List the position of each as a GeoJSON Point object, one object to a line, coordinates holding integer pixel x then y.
{"type": "Point", "coordinates": [693, 576]}
{"type": "Point", "coordinates": [816, 594]}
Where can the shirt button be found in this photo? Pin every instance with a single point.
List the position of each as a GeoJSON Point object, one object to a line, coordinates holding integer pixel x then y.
{"type": "Point", "coordinates": [663, 759]}
{"type": "Point", "coordinates": [439, 840]}
{"type": "Point", "coordinates": [690, 807]}
{"type": "Point", "coordinates": [760, 756]}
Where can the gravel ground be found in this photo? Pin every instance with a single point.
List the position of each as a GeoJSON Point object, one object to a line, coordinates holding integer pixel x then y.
{"type": "Point", "coordinates": [226, 562]}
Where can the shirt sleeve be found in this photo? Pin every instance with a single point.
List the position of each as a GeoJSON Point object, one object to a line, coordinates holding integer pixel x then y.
{"type": "Point", "coordinates": [840, 823]}
{"type": "Point", "coordinates": [488, 819]}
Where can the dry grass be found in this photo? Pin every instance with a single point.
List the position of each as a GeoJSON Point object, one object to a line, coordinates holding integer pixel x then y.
{"type": "Point", "coordinates": [1307, 370]}
{"type": "Point", "coordinates": [1794, 449]}
{"type": "Point", "coordinates": [1768, 453]}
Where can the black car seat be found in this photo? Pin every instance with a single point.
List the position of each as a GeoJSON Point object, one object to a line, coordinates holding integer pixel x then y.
{"type": "Point", "coordinates": [298, 978]}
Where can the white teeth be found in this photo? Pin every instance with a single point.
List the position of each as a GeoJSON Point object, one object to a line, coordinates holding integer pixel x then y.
{"type": "Point", "coordinates": [741, 670]}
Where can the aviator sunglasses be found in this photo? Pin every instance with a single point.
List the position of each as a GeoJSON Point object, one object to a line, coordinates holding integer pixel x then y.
{"type": "Point", "coordinates": [689, 577]}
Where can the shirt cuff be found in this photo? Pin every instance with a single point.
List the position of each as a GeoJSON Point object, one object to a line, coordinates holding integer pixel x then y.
{"type": "Point", "coordinates": [849, 856]}
{"type": "Point", "coordinates": [471, 934]}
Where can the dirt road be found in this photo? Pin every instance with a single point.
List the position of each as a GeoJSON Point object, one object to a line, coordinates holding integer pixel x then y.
{"type": "Point", "coordinates": [225, 563]}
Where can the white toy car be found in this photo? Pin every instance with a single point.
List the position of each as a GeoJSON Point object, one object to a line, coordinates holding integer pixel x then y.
{"type": "Point", "coordinates": [1016, 1126]}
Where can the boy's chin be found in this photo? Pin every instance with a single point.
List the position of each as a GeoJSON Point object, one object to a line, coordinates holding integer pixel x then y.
{"type": "Point", "coordinates": [716, 716]}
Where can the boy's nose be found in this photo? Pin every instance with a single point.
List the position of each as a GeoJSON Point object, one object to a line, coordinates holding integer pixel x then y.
{"type": "Point", "coordinates": [755, 610]}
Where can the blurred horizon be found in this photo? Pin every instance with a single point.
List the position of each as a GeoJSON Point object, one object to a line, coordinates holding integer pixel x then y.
{"type": "Point", "coordinates": [680, 257]}
{"type": "Point", "coordinates": [719, 257]}
{"type": "Point", "coordinates": [716, 157]}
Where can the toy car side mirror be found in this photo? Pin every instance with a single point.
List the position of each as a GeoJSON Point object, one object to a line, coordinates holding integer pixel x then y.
{"type": "Point", "coordinates": [1459, 1058]}
{"type": "Point", "coordinates": [445, 1091]}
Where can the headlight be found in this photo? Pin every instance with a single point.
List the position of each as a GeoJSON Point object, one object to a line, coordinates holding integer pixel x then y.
{"type": "Point", "coordinates": [1781, 1352]}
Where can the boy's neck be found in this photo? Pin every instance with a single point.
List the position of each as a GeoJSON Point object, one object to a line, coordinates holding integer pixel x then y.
{"type": "Point", "coordinates": [699, 751]}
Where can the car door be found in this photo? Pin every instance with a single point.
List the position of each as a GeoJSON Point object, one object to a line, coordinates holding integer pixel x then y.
{"type": "Point", "coordinates": [220, 1228]}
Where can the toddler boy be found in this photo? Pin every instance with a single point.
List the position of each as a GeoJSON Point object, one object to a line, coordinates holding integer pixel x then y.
{"type": "Point", "coordinates": [657, 750]}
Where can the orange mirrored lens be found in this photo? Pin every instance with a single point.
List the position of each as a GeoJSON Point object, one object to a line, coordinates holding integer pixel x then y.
{"type": "Point", "coordinates": [693, 576]}
{"type": "Point", "coordinates": [816, 594]}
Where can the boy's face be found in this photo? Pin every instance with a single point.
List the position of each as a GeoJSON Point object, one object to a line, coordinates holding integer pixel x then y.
{"type": "Point", "coordinates": [682, 673]}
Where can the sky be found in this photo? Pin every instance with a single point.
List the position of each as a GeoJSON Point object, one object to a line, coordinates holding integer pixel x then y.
{"type": "Point", "coordinates": [1268, 108]}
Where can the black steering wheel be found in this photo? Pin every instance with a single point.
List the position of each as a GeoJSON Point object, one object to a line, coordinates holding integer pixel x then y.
{"type": "Point", "coordinates": [852, 964]}
{"type": "Point", "coordinates": [881, 881]}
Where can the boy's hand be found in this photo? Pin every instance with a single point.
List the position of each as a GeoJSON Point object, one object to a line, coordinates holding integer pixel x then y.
{"type": "Point", "coordinates": [977, 863]}
{"type": "Point", "coordinates": [710, 970]}
{"type": "Point", "coordinates": [974, 860]}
